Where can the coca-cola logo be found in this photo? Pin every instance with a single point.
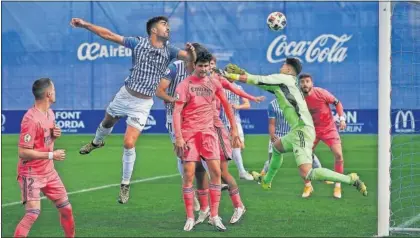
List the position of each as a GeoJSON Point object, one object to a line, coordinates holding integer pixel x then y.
{"type": "Point", "coordinates": [93, 51]}
{"type": "Point", "coordinates": [325, 48]}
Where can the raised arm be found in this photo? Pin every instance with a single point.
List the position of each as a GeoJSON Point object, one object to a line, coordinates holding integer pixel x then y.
{"type": "Point", "coordinates": [189, 55]}
{"type": "Point", "coordinates": [98, 30]}
{"type": "Point", "coordinates": [231, 87]}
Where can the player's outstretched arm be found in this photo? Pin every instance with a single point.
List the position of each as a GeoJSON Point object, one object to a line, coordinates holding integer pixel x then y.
{"type": "Point", "coordinates": [98, 30]}
{"type": "Point", "coordinates": [229, 86]}
{"type": "Point", "coordinates": [30, 154]}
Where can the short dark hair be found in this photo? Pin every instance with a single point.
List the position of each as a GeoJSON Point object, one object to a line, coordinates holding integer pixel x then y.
{"type": "Point", "coordinates": [295, 63]}
{"type": "Point", "coordinates": [39, 86]}
{"type": "Point", "coordinates": [305, 75]}
{"type": "Point", "coordinates": [203, 56]}
{"type": "Point", "coordinates": [152, 21]}
{"type": "Point", "coordinates": [199, 48]}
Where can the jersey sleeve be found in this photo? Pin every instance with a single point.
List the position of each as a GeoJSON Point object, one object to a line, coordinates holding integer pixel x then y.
{"type": "Point", "coordinates": [271, 113]}
{"type": "Point", "coordinates": [328, 97]}
{"type": "Point", "coordinates": [173, 52]}
{"type": "Point", "coordinates": [181, 92]}
{"type": "Point", "coordinates": [28, 130]}
{"type": "Point", "coordinates": [273, 79]}
{"type": "Point", "coordinates": [131, 42]}
{"type": "Point", "coordinates": [170, 73]}
{"type": "Point", "coordinates": [218, 86]}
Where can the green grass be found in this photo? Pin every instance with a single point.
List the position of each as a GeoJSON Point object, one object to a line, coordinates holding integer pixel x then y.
{"type": "Point", "coordinates": [156, 208]}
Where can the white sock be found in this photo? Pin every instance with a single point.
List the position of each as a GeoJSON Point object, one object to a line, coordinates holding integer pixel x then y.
{"type": "Point", "coordinates": [101, 133]}
{"type": "Point", "coordinates": [266, 165]}
{"type": "Point", "coordinates": [180, 167]}
{"type": "Point", "coordinates": [129, 157]}
{"type": "Point", "coordinates": [315, 162]}
{"type": "Point", "coordinates": [237, 157]}
{"type": "Point", "coordinates": [338, 185]}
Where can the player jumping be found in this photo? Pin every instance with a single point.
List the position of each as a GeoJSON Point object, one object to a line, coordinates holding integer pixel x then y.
{"type": "Point", "coordinates": [151, 57]}
{"type": "Point", "coordinates": [36, 172]}
{"type": "Point", "coordinates": [196, 137]}
{"type": "Point", "coordinates": [301, 137]}
{"type": "Point", "coordinates": [318, 101]}
{"type": "Point", "coordinates": [277, 128]}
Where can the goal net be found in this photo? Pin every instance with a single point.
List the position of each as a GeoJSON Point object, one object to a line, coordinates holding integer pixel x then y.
{"type": "Point", "coordinates": [405, 119]}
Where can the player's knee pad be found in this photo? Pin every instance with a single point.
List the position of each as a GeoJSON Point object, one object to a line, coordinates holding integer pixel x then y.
{"type": "Point", "coordinates": [129, 155]}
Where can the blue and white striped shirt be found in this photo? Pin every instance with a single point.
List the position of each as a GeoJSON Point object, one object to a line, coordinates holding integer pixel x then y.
{"type": "Point", "coordinates": [274, 111]}
{"type": "Point", "coordinates": [149, 64]}
{"type": "Point", "coordinates": [233, 99]}
{"type": "Point", "coordinates": [176, 72]}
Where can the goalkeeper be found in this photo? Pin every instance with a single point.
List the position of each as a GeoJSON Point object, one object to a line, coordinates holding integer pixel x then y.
{"type": "Point", "coordinates": [301, 137]}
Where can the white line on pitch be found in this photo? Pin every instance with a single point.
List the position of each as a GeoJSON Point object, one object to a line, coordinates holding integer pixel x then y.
{"type": "Point", "coordinates": [101, 187]}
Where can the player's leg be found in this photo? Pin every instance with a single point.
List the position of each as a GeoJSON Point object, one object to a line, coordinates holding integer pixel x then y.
{"type": "Point", "coordinates": [336, 149]}
{"type": "Point", "coordinates": [209, 150]}
{"type": "Point", "coordinates": [239, 208]}
{"type": "Point", "coordinates": [302, 149]}
{"type": "Point", "coordinates": [30, 195]}
{"type": "Point", "coordinates": [237, 153]}
{"type": "Point", "coordinates": [202, 179]}
{"type": "Point", "coordinates": [137, 114]}
{"type": "Point", "coordinates": [188, 192]}
{"type": "Point", "coordinates": [115, 110]}
{"type": "Point", "coordinates": [308, 189]}
{"type": "Point", "coordinates": [55, 191]}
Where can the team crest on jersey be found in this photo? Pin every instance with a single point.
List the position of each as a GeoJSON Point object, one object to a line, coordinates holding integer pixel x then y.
{"type": "Point", "coordinates": [177, 96]}
{"type": "Point", "coordinates": [27, 138]}
{"type": "Point", "coordinates": [167, 71]}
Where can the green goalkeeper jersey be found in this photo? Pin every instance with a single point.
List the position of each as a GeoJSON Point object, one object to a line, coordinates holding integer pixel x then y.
{"type": "Point", "coordinates": [289, 97]}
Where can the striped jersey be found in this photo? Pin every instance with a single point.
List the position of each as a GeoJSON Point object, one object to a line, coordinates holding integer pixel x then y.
{"type": "Point", "coordinates": [274, 111]}
{"type": "Point", "coordinates": [176, 72]}
{"type": "Point", "coordinates": [233, 99]}
{"type": "Point", "coordinates": [148, 64]}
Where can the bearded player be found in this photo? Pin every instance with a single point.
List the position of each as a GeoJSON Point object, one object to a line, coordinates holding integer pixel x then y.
{"type": "Point", "coordinates": [36, 172]}
{"type": "Point", "coordinates": [319, 101]}
{"type": "Point", "coordinates": [301, 137]}
{"type": "Point", "coordinates": [196, 137]}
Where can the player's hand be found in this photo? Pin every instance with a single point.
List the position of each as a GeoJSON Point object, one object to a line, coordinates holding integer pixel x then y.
{"type": "Point", "coordinates": [259, 99]}
{"type": "Point", "coordinates": [78, 22]}
{"type": "Point", "coordinates": [180, 147]}
{"type": "Point", "coordinates": [56, 131]}
{"type": "Point", "coordinates": [237, 107]}
{"type": "Point", "coordinates": [236, 140]}
{"type": "Point", "coordinates": [343, 125]}
{"type": "Point", "coordinates": [189, 47]}
{"type": "Point", "coordinates": [234, 69]}
{"type": "Point", "coordinates": [274, 138]}
{"type": "Point", "coordinates": [59, 154]}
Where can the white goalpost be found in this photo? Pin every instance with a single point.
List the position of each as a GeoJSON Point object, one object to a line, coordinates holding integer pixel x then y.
{"type": "Point", "coordinates": [398, 155]}
{"type": "Point", "coordinates": [384, 119]}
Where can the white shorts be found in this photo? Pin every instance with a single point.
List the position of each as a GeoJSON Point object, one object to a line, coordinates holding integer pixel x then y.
{"type": "Point", "coordinates": [136, 110]}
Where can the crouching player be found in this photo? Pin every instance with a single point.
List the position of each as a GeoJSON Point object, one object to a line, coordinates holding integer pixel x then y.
{"type": "Point", "coordinates": [36, 172]}
{"type": "Point", "coordinates": [196, 138]}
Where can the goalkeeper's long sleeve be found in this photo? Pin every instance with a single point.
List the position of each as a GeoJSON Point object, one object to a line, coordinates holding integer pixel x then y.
{"type": "Point", "coordinates": [273, 79]}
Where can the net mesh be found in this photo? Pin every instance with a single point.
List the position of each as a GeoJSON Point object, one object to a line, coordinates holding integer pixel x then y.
{"type": "Point", "coordinates": [405, 101]}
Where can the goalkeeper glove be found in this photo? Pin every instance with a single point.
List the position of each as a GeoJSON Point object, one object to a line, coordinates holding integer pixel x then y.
{"type": "Point", "coordinates": [227, 75]}
{"type": "Point", "coordinates": [234, 69]}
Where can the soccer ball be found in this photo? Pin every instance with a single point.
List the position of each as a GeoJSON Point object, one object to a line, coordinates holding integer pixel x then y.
{"type": "Point", "coordinates": [276, 21]}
